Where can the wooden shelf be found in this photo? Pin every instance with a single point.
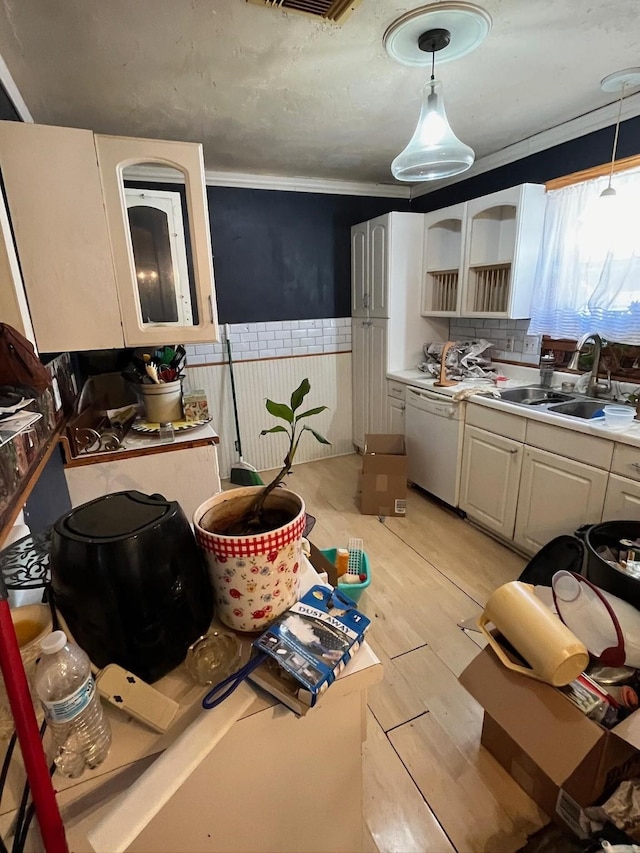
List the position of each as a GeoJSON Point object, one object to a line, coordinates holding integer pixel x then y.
{"type": "Point", "coordinates": [29, 481]}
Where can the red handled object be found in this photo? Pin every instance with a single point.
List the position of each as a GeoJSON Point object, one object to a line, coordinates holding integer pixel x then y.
{"type": "Point", "coordinates": [44, 799]}
{"type": "Point", "coordinates": [608, 626]}
{"type": "Point", "coordinates": [167, 374]}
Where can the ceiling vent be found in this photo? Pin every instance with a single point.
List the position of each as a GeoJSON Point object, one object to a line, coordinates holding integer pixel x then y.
{"type": "Point", "coordinates": [329, 10]}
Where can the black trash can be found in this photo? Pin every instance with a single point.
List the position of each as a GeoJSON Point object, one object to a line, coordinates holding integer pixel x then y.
{"type": "Point", "coordinates": [563, 552]}
{"type": "Point", "coordinates": [598, 571]}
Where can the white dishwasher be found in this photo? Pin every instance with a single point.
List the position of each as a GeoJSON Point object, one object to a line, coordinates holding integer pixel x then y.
{"type": "Point", "coordinates": [433, 432]}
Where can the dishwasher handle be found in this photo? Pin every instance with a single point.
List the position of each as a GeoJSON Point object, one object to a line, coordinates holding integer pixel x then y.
{"type": "Point", "coordinates": [434, 404]}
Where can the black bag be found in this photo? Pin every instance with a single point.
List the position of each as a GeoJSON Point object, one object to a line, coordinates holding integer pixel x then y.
{"type": "Point", "coordinates": [19, 365]}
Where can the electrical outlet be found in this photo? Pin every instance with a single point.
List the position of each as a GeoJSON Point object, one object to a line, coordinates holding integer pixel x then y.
{"type": "Point", "coordinates": [509, 344]}
{"type": "Point", "coordinates": [531, 343]}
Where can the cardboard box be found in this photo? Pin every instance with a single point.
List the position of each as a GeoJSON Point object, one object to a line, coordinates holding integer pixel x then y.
{"type": "Point", "coordinates": [383, 481]}
{"type": "Point", "coordinates": [562, 759]}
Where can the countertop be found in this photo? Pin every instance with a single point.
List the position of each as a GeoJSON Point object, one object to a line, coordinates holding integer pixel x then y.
{"type": "Point", "coordinates": [521, 376]}
{"type": "Point", "coordinates": [137, 444]}
{"type": "Point", "coordinates": [144, 769]}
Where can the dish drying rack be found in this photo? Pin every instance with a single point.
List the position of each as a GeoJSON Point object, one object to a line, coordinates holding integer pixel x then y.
{"type": "Point", "coordinates": [356, 560]}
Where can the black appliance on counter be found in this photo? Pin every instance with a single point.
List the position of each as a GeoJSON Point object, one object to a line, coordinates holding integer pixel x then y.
{"type": "Point", "coordinates": [130, 581]}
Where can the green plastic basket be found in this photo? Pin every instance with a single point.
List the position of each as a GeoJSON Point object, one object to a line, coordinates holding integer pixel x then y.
{"type": "Point", "coordinates": [352, 590]}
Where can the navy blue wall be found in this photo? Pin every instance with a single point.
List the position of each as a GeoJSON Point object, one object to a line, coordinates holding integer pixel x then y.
{"type": "Point", "coordinates": [594, 149]}
{"type": "Point", "coordinates": [285, 255]}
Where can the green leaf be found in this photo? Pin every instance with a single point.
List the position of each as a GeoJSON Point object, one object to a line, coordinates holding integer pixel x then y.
{"type": "Point", "coordinates": [280, 410]}
{"type": "Point", "coordinates": [317, 436]}
{"type": "Point", "coordinates": [310, 412]}
{"type": "Point", "coordinates": [274, 429]}
{"type": "Point", "coordinates": [299, 394]}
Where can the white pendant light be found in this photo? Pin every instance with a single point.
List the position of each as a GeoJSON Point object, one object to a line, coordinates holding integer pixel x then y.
{"type": "Point", "coordinates": [619, 81]}
{"type": "Point", "coordinates": [434, 151]}
{"type": "Point", "coordinates": [457, 28]}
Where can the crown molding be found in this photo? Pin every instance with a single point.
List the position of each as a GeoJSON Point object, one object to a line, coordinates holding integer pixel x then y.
{"type": "Point", "coordinates": [242, 180]}
{"type": "Point", "coordinates": [9, 85]}
{"type": "Point", "coordinates": [305, 185]}
{"type": "Point", "coordinates": [573, 129]}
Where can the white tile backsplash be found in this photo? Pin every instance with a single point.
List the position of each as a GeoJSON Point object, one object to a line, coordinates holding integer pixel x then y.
{"type": "Point", "coordinates": [277, 339]}
{"type": "Point", "coordinates": [496, 331]}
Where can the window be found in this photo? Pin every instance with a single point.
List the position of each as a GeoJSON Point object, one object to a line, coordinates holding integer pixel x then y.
{"type": "Point", "coordinates": [588, 274]}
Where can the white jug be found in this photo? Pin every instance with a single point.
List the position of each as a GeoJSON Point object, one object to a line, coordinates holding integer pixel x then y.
{"type": "Point", "coordinates": [552, 651]}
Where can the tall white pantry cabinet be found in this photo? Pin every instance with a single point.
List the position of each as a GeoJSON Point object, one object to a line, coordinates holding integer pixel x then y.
{"type": "Point", "coordinates": [388, 332]}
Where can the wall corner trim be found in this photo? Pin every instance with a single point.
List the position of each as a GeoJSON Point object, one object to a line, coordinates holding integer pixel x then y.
{"type": "Point", "coordinates": [10, 87]}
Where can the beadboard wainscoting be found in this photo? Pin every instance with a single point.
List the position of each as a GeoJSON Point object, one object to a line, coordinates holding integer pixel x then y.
{"type": "Point", "coordinates": [275, 378]}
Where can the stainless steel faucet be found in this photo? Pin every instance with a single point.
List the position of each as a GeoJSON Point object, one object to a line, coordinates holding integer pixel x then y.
{"type": "Point", "coordinates": [594, 388]}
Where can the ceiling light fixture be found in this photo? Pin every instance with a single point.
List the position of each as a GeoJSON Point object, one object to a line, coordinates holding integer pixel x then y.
{"type": "Point", "coordinates": [619, 81]}
{"type": "Point", "coordinates": [452, 30]}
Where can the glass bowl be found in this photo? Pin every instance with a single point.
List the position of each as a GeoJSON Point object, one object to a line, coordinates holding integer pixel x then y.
{"type": "Point", "coordinates": [213, 657]}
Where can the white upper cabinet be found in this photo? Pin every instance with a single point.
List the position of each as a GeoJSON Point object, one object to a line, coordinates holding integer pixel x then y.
{"type": "Point", "coordinates": [443, 259]}
{"type": "Point", "coordinates": [379, 237]}
{"type": "Point", "coordinates": [370, 267]}
{"type": "Point", "coordinates": [360, 270]}
{"type": "Point", "coordinates": [160, 239]}
{"type": "Point", "coordinates": [54, 203]}
{"type": "Point", "coordinates": [480, 257]}
{"type": "Point", "coordinates": [105, 262]}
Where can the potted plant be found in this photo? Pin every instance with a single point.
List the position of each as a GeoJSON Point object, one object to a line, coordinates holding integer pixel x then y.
{"type": "Point", "coordinates": [251, 536]}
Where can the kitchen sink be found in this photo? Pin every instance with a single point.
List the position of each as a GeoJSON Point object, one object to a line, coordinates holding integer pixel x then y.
{"type": "Point", "coordinates": [552, 401]}
{"type": "Point", "coordinates": [578, 408]}
{"type": "Point", "coordinates": [535, 396]}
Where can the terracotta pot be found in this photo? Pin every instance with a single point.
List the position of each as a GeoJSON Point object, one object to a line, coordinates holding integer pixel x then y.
{"type": "Point", "coordinates": [254, 578]}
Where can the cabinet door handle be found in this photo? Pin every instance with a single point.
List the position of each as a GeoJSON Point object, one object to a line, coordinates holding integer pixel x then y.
{"type": "Point", "coordinates": [211, 308]}
{"type": "Point", "coordinates": [365, 300]}
{"type": "Point", "coordinates": [402, 407]}
{"type": "Point", "coordinates": [513, 450]}
{"type": "Point", "coordinates": [635, 465]}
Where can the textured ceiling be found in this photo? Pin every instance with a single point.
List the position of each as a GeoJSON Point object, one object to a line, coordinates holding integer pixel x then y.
{"type": "Point", "coordinates": [278, 93]}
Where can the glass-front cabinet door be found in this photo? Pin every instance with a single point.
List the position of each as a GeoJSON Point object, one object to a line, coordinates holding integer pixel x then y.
{"type": "Point", "coordinates": [155, 199]}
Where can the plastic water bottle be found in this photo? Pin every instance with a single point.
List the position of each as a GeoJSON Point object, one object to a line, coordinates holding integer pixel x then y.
{"type": "Point", "coordinates": [67, 692]}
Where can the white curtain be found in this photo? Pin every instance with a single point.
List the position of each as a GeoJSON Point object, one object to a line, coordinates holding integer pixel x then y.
{"type": "Point", "coordinates": [588, 273]}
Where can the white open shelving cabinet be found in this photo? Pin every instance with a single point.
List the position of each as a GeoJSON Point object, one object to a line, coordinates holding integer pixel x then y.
{"type": "Point", "coordinates": [480, 256]}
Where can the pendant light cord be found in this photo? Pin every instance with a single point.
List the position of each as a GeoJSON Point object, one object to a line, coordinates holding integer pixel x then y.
{"type": "Point", "coordinates": [615, 137]}
{"type": "Point", "coordinates": [433, 66]}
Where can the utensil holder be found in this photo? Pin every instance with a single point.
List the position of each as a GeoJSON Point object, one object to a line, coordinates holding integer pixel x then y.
{"type": "Point", "coordinates": [162, 403]}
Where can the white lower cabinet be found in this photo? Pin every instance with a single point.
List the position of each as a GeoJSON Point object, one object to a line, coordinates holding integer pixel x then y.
{"type": "Point", "coordinates": [491, 467]}
{"type": "Point", "coordinates": [557, 495]}
{"type": "Point", "coordinates": [532, 486]}
{"type": "Point", "coordinates": [623, 499]}
{"type": "Point", "coordinates": [395, 407]}
{"type": "Point", "coordinates": [395, 415]}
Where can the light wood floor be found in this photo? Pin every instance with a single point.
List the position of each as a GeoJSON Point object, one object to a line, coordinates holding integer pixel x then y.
{"type": "Point", "coordinates": [429, 786]}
